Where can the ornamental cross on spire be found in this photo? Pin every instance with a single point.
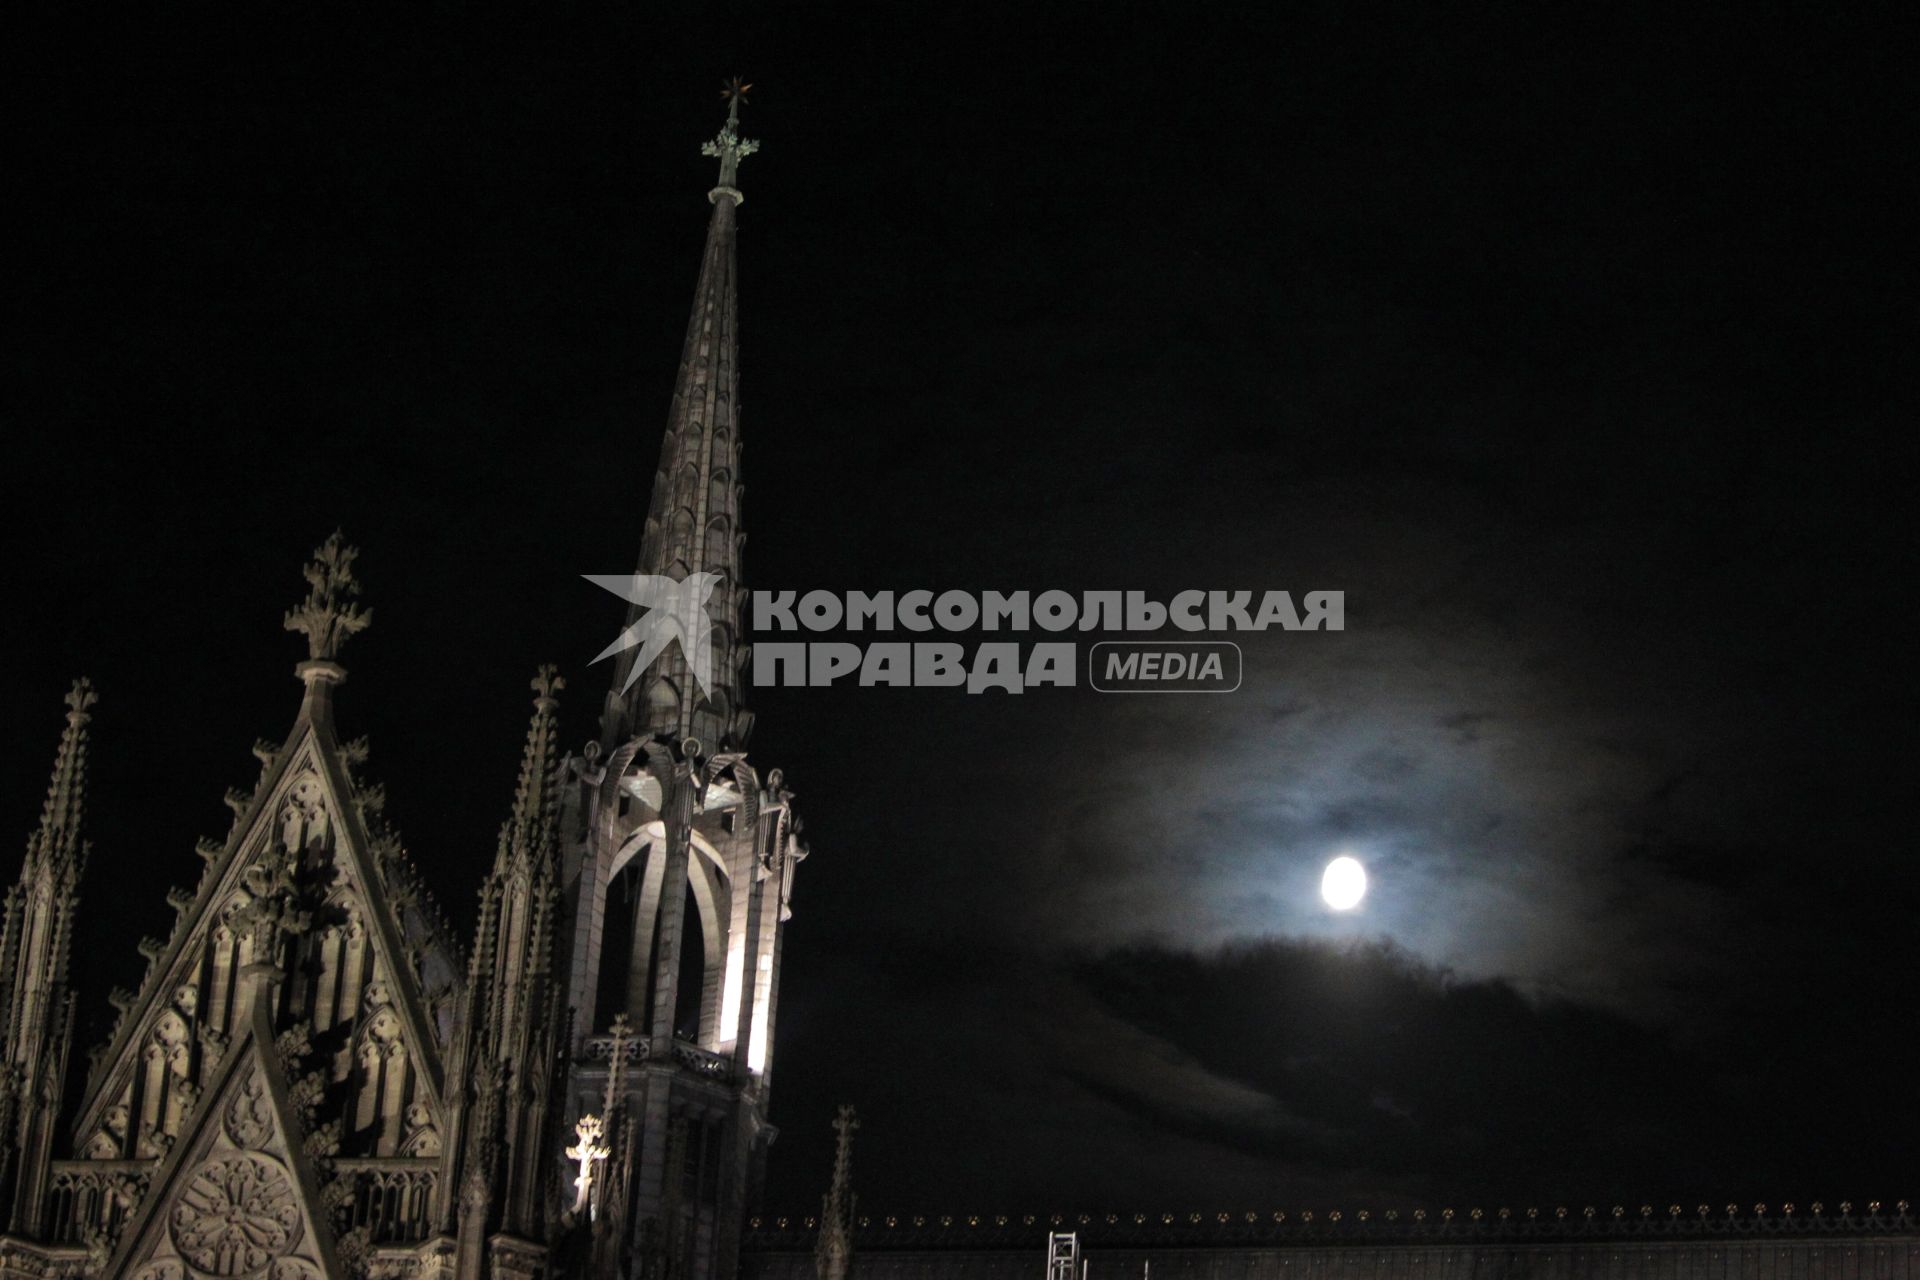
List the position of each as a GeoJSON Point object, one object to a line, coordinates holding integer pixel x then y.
{"type": "Point", "coordinates": [729, 146]}
{"type": "Point", "coordinates": [587, 1148]}
{"type": "Point", "coordinates": [328, 616]}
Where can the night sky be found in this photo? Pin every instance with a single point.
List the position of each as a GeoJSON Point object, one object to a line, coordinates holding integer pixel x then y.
{"type": "Point", "coordinates": [1567, 344]}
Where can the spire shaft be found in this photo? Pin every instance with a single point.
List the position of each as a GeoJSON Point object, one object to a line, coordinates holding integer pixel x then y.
{"type": "Point", "coordinates": [833, 1249]}
{"type": "Point", "coordinates": [693, 520]}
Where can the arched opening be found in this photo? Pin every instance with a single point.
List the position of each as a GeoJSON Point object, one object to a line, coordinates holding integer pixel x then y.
{"type": "Point", "coordinates": [686, 1003]}
{"type": "Point", "coordinates": [616, 940]}
{"type": "Point", "coordinates": [630, 943]}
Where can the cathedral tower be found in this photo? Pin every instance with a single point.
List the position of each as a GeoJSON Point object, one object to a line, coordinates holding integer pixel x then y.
{"type": "Point", "coordinates": [680, 852]}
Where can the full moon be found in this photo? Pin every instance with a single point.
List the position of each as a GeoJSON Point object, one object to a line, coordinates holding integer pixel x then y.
{"type": "Point", "coordinates": [1343, 883]}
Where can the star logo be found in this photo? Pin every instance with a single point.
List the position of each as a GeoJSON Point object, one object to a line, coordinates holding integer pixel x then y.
{"type": "Point", "coordinates": [674, 611]}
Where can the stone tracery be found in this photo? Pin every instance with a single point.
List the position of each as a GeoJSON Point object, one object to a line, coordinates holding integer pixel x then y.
{"type": "Point", "coordinates": [236, 1215]}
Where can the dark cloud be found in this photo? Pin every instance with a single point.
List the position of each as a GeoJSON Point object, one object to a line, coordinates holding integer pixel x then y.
{"type": "Point", "coordinates": [1292, 1073]}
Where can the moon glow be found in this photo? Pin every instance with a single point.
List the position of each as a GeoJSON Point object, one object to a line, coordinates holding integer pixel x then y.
{"type": "Point", "coordinates": [1343, 883]}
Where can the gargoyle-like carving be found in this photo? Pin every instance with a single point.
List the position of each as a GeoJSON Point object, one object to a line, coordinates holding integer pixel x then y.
{"type": "Point", "coordinates": [213, 1044]}
{"type": "Point", "coordinates": [249, 1117]}
{"type": "Point", "coordinates": [188, 1094]}
{"type": "Point", "coordinates": [323, 1142]}
{"type": "Point", "coordinates": [370, 798]}
{"type": "Point", "coordinates": [293, 1044]}
{"type": "Point", "coordinates": [274, 909]}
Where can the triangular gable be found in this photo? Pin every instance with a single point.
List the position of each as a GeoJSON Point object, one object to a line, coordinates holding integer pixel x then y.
{"type": "Point", "coordinates": [238, 1195]}
{"type": "Point", "coordinates": [308, 776]}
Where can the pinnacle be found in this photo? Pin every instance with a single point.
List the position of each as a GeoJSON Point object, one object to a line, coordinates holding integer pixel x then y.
{"type": "Point", "coordinates": [530, 830]}
{"type": "Point", "coordinates": [63, 812]}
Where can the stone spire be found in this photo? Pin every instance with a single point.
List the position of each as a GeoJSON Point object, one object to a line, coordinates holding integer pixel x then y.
{"type": "Point", "coordinates": [39, 918]}
{"type": "Point", "coordinates": [36, 944]}
{"type": "Point", "coordinates": [512, 1010]}
{"type": "Point", "coordinates": [57, 841]}
{"type": "Point", "coordinates": [834, 1250]}
{"type": "Point", "coordinates": [693, 521]}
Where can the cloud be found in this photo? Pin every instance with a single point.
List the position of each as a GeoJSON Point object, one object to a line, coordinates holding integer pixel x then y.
{"type": "Point", "coordinates": [1011, 1065]}
{"type": "Point", "coordinates": [1580, 827]}
{"type": "Point", "coordinates": [1259, 1076]}
{"type": "Point", "coordinates": [1120, 1059]}
{"type": "Point", "coordinates": [1540, 737]}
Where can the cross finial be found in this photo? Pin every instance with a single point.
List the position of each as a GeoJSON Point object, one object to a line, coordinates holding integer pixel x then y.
{"type": "Point", "coordinates": [547, 682]}
{"type": "Point", "coordinates": [729, 146]}
{"type": "Point", "coordinates": [587, 1148]}
{"type": "Point", "coordinates": [80, 700]}
{"type": "Point", "coordinates": [328, 616]}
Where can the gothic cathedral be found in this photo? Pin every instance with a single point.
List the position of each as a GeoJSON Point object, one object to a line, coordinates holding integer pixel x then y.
{"type": "Point", "coordinates": [316, 1079]}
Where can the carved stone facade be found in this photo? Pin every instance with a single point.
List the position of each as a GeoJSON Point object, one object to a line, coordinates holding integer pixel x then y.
{"type": "Point", "coordinates": [315, 1079]}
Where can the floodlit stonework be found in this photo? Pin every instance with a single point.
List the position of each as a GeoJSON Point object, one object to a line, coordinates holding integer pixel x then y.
{"type": "Point", "coordinates": [317, 1079]}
